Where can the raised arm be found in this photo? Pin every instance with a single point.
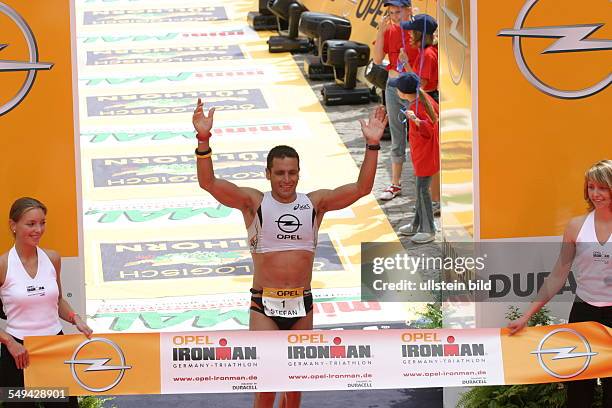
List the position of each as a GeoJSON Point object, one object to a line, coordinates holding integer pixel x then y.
{"type": "Point", "coordinates": [226, 193]}
{"type": "Point", "coordinates": [378, 52]}
{"type": "Point", "coordinates": [343, 196]}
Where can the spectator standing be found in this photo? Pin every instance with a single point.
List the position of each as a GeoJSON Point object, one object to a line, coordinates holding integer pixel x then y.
{"type": "Point", "coordinates": [422, 117]}
{"type": "Point", "coordinates": [397, 45]}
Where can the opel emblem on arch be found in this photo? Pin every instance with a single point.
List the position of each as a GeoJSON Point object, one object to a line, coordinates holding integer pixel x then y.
{"type": "Point", "coordinates": [457, 36]}
{"type": "Point", "coordinates": [563, 353]}
{"type": "Point", "coordinates": [98, 364]}
{"type": "Point", "coordinates": [31, 66]}
{"type": "Point", "coordinates": [570, 38]}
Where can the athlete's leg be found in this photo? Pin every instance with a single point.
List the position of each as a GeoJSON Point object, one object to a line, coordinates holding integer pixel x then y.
{"type": "Point", "coordinates": [292, 399]}
{"type": "Point", "coordinates": [259, 321]}
{"type": "Point", "coordinates": [264, 400]}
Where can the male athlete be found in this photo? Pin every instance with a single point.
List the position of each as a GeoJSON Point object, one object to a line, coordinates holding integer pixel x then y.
{"type": "Point", "coordinates": [282, 227]}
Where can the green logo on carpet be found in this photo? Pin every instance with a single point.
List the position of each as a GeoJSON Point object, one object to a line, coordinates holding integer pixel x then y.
{"type": "Point", "coordinates": [134, 136]}
{"type": "Point", "coordinates": [201, 319]}
{"type": "Point", "coordinates": [173, 214]}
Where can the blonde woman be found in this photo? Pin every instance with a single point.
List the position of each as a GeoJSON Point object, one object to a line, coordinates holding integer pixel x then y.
{"type": "Point", "coordinates": [31, 294]}
{"type": "Point", "coordinates": [587, 243]}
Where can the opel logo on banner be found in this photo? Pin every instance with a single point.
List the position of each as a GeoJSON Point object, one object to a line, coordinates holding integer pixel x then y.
{"type": "Point", "coordinates": [31, 66]}
{"type": "Point", "coordinates": [570, 38]}
{"type": "Point", "coordinates": [563, 353]}
{"type": "Point", "coordinates": [458, 37]}
{"type": "Point", "coordinates": [98, 364]}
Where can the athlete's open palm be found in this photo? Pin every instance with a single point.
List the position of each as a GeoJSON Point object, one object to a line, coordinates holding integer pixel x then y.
{"type": "Point", "coordinates": [375, 126]}
{"type": "Point", "coordinates": [201, 122]}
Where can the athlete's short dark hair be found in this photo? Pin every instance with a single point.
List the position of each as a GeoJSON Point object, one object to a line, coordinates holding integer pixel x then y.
{"type": "Point", "coordinates": [280, 152]}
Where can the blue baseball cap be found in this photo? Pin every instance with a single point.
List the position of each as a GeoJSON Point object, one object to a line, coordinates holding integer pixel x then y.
{"type": "Point", "coordinates": [421, 22]}
{"type": "Point", "coordinates": [398, 3]}
{"type": "Point", "coordinates": [408, 82]}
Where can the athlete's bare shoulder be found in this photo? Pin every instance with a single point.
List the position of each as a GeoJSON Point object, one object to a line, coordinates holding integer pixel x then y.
{"type": "Point", "coordinates": [255, 197]}
{"type": "Point", "coordinates": [316, 196]}
{"type": "Point", "coordinates": [253, 192]}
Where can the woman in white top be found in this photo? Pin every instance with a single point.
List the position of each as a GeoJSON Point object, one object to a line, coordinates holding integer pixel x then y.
{"type": "Point", "coordinates": [587, 243]}
{"type": "Point", "coordinates": [30, 293]}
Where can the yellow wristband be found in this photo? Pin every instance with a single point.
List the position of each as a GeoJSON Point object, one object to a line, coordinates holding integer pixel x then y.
{"type": "Point", "coordinates": [203, 155]}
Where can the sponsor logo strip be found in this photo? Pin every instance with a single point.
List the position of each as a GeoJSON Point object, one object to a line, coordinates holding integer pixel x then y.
{"type": "Point", "coordinates": [230, 311]}
{"type": "Point", "coordinates": [174, 102]}
{"type": "Point", "coordinates": [145, 135]}
{"type": "Point", "coordinates": [146, 261]}
{"type": "Point", "coordinates": [158, 213]}
{"type": "Point", "coordinates": [149, 170]}
{"type": "Point", "coordinates": [154, 16]}
{"type": "Point", "coordinates": [165, 55]}
{"type": "Point", "coordinates": [234, 34]}
{"type": "Point", "coordinates": [184, 77]}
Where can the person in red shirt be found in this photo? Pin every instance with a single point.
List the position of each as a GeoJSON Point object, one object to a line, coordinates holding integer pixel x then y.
{"type": "Point", "coordinates": [397, 45]}
{"type": "Point", "coordinates": [425, 65]}
{"type": "Point", "coordinates": [422, 114]}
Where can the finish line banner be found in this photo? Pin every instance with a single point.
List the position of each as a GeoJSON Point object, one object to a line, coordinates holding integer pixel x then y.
{"type": "Point", "coordinates": [240, 361]}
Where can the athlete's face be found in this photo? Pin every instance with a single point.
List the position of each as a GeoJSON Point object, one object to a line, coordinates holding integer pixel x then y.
{"type": "Point", "coordinates": [284, 176]}
{"type": "Point", "coordinates": [600, 195]}
{"type": "Point", "coordinates": [30, 227]}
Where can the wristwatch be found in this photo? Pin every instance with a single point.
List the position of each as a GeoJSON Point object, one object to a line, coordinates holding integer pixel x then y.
{"type": "Point", "coordinates": [373, 146]}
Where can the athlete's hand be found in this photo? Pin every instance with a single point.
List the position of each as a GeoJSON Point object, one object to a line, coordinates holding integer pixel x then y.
{"type": "Point", "coordinates": [518, 324]}
{"type": "Point", "coordinates": [201, 122]}
{"type": "Point", "coordinates": [19, 353]}
{"type": "Point", "coordinates": [82, 326]}
{"type": "Point", "coordinates": [375, 126]}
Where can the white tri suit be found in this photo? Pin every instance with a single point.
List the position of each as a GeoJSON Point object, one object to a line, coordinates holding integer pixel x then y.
{"type": "Point", "coordinates": [283, 227]}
